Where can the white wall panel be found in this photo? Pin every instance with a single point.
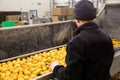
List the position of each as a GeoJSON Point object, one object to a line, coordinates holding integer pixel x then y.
{"type": "Point", "coordinates": [42, 6]}
{"type": "Point", "coordinates": [112, 1]}
{"type": "Point", "coordinates": [9, 5]}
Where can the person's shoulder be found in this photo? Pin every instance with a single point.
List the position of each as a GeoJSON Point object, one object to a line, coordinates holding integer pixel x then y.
{"type": "Point", "coordinates": [76, 40]}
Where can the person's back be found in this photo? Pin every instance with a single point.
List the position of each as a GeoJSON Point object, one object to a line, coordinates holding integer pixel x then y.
{"type": "Point", "coordinates": [98, 53]}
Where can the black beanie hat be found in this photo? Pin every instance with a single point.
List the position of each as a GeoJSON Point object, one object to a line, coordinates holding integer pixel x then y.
{"type": "Point", "coordinates": [84, 10]}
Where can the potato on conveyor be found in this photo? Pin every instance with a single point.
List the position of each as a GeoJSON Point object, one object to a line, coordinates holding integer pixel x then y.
{"type": "Point", "coordinates": [30, 67]}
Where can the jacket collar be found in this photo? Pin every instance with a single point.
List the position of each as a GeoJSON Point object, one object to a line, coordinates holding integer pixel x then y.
{"type": "Point", "coordinates": [88, 25]}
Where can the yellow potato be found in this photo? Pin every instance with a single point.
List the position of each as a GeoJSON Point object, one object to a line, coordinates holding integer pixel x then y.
{"type": "Point", "coordinates": [32, 66]}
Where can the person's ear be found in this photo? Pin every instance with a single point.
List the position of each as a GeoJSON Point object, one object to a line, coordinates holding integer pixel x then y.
{"type": "Point", "coordinates": [78, 21]}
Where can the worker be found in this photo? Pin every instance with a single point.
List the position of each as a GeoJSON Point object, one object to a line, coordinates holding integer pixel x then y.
{"type": "Point", "coordinates": [90, 52]}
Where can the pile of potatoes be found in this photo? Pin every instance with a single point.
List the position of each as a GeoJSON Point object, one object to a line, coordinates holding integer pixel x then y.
{"type": "Point", "coordinates": [116, 43]}
{"type": "Point", "coordinates": [32, 66]}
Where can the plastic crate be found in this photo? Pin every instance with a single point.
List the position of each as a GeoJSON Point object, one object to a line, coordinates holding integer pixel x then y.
{"type": "Point", "coordinates": [8, 24]}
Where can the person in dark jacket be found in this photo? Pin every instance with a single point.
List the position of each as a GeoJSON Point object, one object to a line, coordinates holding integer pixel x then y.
{"type": "Point", "coordinates": [90, 52]}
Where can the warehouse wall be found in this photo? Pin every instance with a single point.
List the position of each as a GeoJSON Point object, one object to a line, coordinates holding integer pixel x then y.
{"type": "Point", "coordinates": [42, 6]}
{"type": "Point", "coordinates": [112, 1]}
{"type": "Point", "coordinates": [6, 5]}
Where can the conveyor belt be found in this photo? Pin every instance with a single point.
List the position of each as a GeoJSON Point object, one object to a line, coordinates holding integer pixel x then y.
{"type": "Point", "coordinates": [114, 68]}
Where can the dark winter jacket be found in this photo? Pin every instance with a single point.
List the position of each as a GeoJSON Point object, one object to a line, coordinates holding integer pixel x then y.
{"type": "Point", "coordinates": [89, 55]}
